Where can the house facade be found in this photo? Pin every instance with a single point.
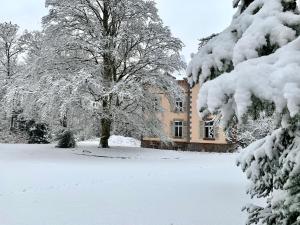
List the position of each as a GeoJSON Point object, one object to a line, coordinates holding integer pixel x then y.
{"type": "Point", "coordinates": [183, 125]}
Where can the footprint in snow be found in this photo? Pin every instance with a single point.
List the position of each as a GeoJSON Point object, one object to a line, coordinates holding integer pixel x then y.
{"type": "Point", "coordinates": [170, 158]}
{"type": "Point", "coordinates": [86, 151]}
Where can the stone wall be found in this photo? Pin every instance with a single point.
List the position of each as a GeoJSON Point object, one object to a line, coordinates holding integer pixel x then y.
{"type": "Point", "coordinates": [184, 146]}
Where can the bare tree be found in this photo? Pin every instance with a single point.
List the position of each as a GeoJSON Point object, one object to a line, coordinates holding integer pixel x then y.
{"type": "Point", "coordinates": [10, 48]}
{"type": "Point", "coordinates": [121, 44]}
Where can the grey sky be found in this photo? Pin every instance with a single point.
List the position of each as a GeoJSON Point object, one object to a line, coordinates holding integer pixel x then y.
{"type": "Point", "coordinates": [188, 19]}
{"type": "Point", "coordinates": [191, 20]}
{"type": "Point", "coordinates": [26, 13]}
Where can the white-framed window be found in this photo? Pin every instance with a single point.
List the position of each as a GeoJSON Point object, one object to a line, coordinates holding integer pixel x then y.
{"type": "Point", "coordinates": [179, 105]}
{"type": "Point", "coordinates": [178, 129]}
{"type": "Point", "coordinates": [209, 131]}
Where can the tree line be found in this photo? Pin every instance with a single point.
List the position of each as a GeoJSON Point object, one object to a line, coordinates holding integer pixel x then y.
{"type": "Point", "coordinates": [91, 68]}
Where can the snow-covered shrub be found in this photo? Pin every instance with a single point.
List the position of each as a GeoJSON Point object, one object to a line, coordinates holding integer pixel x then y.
{"type": "Point", "coordinates": [66, 139]}
{"type": "Point", "coordinates": [38, 133]}
{"type": "Point", "coordinates": [251, 66]}
{"type": "Point", "coordinates": [16, 129]}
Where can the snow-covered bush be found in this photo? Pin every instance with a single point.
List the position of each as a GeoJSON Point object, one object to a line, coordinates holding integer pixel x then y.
{"type": "Point", "coordinates": [66, 139]}
{"type": "Point", "coordinates": [17, 129]}
{"type": "Point", "coordinates": [38, 133]}
{"type": "Point", "coordinates": [254, 65]}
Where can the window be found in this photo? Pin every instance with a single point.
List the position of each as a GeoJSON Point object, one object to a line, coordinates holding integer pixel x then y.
{"type": "Point", "coordinates": [156, 104]}
{"type": "Point", "coordinates": [179, 106]}
{"type": "Point", "coordinates": [178, 126]}
{"type": "Point", "coordinates": [13, 122]}
{"type": "Point", "coordinates": [209, 132]}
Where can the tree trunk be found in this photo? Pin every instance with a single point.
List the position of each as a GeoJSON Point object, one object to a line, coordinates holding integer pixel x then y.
{"type": "Point", "coordinates": [105, 132]}
{"type": "Point", "coordinates": [108, 75]}
{"type": "Point", "coordinates": [105, 123]}
{"type": "Point", "coordinates": [106, 120]}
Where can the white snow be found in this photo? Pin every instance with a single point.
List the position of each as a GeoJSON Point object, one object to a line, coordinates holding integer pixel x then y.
{"type": "Point", "coordinates": [273, 78]}
{"type": "Point", "coordinates": [40, 184]}
{"type": "Point", "coordinates": [241, 40]}
{"type": "Point", "coordinates": [116, 140]}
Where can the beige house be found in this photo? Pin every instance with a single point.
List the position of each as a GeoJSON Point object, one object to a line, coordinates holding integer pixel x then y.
{"type": "Point", "coordinates": [186, 129]}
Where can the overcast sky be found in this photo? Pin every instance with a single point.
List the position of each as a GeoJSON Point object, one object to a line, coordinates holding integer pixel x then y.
{"type": "Point", "coordinates": [188, 19]}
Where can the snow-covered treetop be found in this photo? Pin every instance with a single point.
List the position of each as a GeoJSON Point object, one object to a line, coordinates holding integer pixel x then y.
{"type": "Point", "coordinates": [130, 31]}
{"type": "Point", "coordinates": [261, 43]}
{"type": "Point", "coordinates": [94, 51]}
{"type": "Point", "coordinates": [263, 23]}
{"type": "Point", "coordinates": [274, 78]}
{"type": "Point", "coordinates": [11, 46]}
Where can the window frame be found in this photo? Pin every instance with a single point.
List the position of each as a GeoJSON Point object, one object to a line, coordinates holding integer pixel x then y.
{"type": "Point", "coordinates": [179, 105]}
{"type": "Point", "coordinates": [209, 130]}
{"type": "Point", "coordinates": [178, 129]}
{"type": "Point", "coordinates": [157, 103]}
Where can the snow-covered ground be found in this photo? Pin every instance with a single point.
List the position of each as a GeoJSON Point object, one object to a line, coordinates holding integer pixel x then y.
{"type": "Point", "coordinates": [42, 185]}
{"type": "Point", "coordinates": [115, 141]}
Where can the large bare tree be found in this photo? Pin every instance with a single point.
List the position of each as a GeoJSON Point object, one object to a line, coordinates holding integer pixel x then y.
{"type": "Point", "coordinates": [123, 46]}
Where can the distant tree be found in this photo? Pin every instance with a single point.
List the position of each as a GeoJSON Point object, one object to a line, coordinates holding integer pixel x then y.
{"type": "Point", "coordinates": [42, 94]}
{"type": "Point", "coordinates": [112, 51]}
{"type": "Point", "coordinates": [11, 48]}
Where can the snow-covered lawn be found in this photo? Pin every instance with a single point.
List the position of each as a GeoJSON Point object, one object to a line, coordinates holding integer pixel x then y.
{"type": "Point", "coordinates": [42, 185]}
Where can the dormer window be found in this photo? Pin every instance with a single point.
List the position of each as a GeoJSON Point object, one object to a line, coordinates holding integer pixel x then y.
{"type": "Point", "coordinates": [179, 105]}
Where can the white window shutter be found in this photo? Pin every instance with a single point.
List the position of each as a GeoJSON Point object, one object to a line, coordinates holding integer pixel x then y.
{"type": "Point", "coordinates": [172, 106]}
{"type": "Point", "coordinates": [216, 131]}
{"type": "Point", "coordinates": [159, 102]}
{"type": "Point", "coordinates": [201, 129]}
{"type": "Point", "coordinates": [185, 105]}
{"type": "Point", "coordinates": [172, 129]}
{"type": "Point", "coordinates": [185, 129]}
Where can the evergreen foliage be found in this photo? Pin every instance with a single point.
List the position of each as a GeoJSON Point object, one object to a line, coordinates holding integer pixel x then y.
{"type": "Point", "coordinates": [38, 133]}
{"type": "Point", "coordinates": [263, 43]}
{"type": "Point", "coordinates": [66, 139]}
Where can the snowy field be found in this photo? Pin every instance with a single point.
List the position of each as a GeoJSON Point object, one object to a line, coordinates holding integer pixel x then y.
{"type": "Point", "coordinates": [42, 185]}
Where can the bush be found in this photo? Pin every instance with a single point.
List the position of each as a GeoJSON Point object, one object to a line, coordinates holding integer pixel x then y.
{"type": "Point", "coordinates": [37, 132]}
{"type": "Point", "coordinates": [66, 139]}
